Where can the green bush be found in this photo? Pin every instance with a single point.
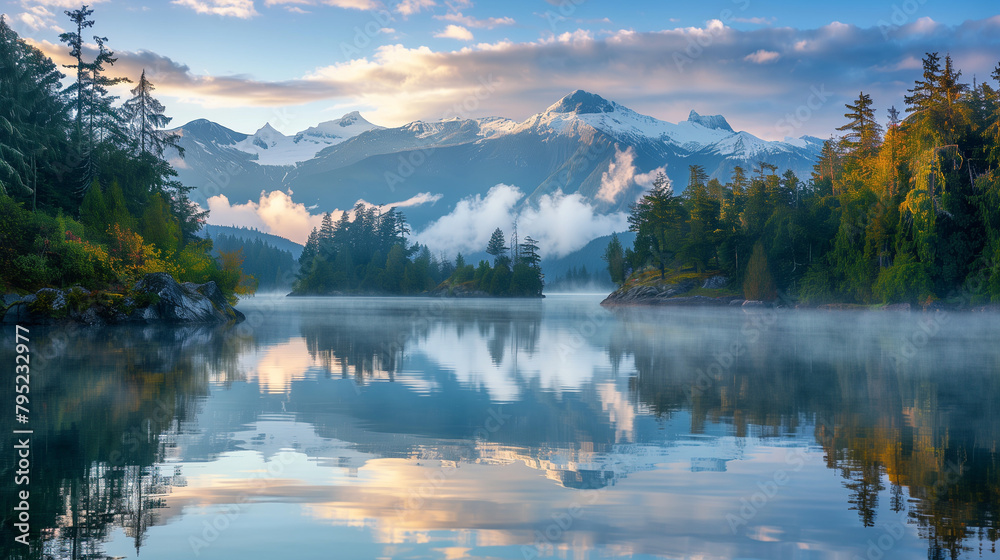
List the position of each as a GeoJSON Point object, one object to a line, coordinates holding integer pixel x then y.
{"type": "Point", "coordinates": [905, 281]}
{"type": "Point", "coordinates": [30, 271]}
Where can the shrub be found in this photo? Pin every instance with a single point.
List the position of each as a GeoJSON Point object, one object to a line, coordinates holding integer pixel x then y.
{"type": "Point", "coordinates": [30, 271]}
{"type": "Point", "coordinates": [905, 281]}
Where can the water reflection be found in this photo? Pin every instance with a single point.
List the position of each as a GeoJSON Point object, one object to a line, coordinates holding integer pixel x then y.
{"type": "Point", "coordinates": [417, 428]}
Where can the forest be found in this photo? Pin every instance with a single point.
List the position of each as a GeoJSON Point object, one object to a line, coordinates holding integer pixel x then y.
{"type": "Point", "coordinates": [906, 212]}
{"type": "Point", "coordinates": [370, 254]}
{"type": "Point", "coordinates": [270, 268]}
{"type": "Point", "coordinates": [86, 195]}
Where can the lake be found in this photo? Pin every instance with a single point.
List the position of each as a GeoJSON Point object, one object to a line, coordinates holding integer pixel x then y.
{"type": "Point", "coordinates": [445, 429]}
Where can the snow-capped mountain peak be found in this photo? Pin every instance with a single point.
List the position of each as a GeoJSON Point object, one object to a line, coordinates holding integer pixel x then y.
{"type": "Point", "coordinates": [266, 137]}
{"type": "Point", "coordinates": [271, 147]}
{"type": "Point", "coordinates": [581, 102]}
{"type": "Point", "coordinates": [348, 126]}
{"type": "Point", "coordinates": [717, 122]}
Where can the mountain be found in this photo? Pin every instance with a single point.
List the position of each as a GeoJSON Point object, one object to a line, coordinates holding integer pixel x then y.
{"type": "Point", "coordinates": [582, 144]}
{"type": "Point", "coordinates": [252, 234]}
{"type": "Point", "coordinates": [590, 256]}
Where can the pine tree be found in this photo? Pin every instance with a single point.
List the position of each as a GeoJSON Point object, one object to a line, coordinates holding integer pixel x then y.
{"type": "Point", "coordinates": [33, 122]}
{"type": "Point", "coordinates": [144, 114]}
{"type": "Point", "coordinates": [528, 251]}
{"type": "Point", "coordinates": [159, 227]}
{"type": "Point", "coordinates": [117, 209]}
{"type": "Point", "coordinates": [74, 40]}
{"type": "Point", "coordinates": [863, 131]}
{"type": "Point", "coordinates": [614, 255]}
{"type": "Point", "coordinates": [497, 247]}
{"type": "Point", "coordinates": [94, 211]}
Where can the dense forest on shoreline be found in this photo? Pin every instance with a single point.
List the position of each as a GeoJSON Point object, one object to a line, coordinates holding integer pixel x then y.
{"type": "Point", "coordinates": [905, 213]}
{"type": "Point", "coordinates": [86, 196]}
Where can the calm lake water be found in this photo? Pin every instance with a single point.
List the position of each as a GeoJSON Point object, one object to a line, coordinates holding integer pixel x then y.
{"type": "Point", "coordinates": [420, 428]}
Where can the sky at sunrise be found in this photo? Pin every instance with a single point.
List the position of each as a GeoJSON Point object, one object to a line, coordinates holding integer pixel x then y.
{"type": "Point", "coordinates": [295, 63]}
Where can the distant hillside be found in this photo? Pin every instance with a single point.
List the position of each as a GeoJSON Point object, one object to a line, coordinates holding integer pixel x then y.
{"type": "Point", "coordinates": [589, 256]}
{"type": "Point", "coordinates": [252, 234]}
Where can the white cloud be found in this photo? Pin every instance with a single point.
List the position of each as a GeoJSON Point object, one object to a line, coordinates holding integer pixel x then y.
{"type": "Point", "coordinates": [619, 175]}
{"type": "Point", "coordinates": [37, 16]}
{"type": "Point", "coordinates": [66, 4]}
{"type": "Point", "coordinates": [275, 213]}
{"type": "Point", "coordinates": [468, 227]}
{"type": "Point", "coordinates": [757, 20]}
{"type": "Point", "coordinates": [762, 57]}
{"type": "Point", "coordinates": [455, 32]}
{"type": "Point", "coordinates": [469, 21]}
{"type": "Point", "coordinates": [525, 77]}
{"type": "Point", "coordinates": [415, 200]}
{"type": "Point", "coordinates": [410, 7]}
{"type": "Point", "coordinates": [561, 223]}
{"type": "Point", "coordinates": [346, 4]}
{"type": "Point", "coordinates": [243, 9]}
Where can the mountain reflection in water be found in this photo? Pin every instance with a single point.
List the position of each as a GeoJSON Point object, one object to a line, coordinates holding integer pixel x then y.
{"type": "Point", "coordinates": [411, 428]}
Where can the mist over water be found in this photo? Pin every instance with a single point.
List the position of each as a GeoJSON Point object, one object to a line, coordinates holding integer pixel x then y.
{"type": "Point", "coordinates": [427, 428]}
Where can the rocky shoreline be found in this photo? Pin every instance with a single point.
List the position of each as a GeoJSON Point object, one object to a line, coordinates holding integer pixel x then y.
{"type": "Point", "coordinates": [157, 298]}
{"type": "Point", "coordinates": [673, 294]}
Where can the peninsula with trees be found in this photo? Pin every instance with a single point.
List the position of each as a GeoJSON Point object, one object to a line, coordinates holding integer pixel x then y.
{"type": "Point", "coordinates": [906, 214]}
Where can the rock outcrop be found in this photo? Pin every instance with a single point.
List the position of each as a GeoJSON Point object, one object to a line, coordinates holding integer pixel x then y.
{"type": "Point", "coordinates": [157, 298]}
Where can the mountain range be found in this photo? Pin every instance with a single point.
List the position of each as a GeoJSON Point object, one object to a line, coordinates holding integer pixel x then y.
{"type": "Point", "coordinates": [583, 143]}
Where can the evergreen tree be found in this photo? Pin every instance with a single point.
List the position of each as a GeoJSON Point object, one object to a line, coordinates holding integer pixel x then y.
{"type": "Point", "coordinates": [74, 40]}
{"type": "Point", "coordinates": [33, 122]}
{"type": "Point", "coordinates": [614, 255]}
{"type": "Point", "coordinates": [94, 211]}
{"type": "Point", "coordinates": [159, 227]}
{"type": "Point", "coordinates": [144, 114]}
{"type": "Point", "coordinates": [863, 133]}
{"type": "Point", "coordinates": [528, 252]}
{"type": "Point", "coordinates": [497, 247]}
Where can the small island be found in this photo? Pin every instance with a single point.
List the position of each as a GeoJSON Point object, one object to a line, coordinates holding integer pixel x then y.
{"type": "Point", "coordinates": [371, 255]}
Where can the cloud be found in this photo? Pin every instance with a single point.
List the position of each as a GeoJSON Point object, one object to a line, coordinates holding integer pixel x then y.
{"type": "Point", "coordinates": [619, 175]}
{"type": "Point", "coordinates": [38, 17]}
{"type": "Point", "coordinates": [561, 223]}
{"type": "Point", "coordinates": [242, 9]}
{"type": "Point", "coordinates": [65, 4]}
{"type": "Point", "coordinates": [415, 200]}
{"type": "Point", "coordinates": [455, 32]}
{"type": "Point", "coordinates": [275, 213]}
{"type": "Point", "coordinates": [346, 4]}
{"type": "Point", "coordinates": [757, 20]}
{"type": "Point", "coordinates": [410, 7]}
{"type": "Point", "coordinates": [762, 57]}
{"type": "Point", "coordinates": [469, 21]}
{"type": "Point", "coordinates": [468, 227]}
{"type": "Point", "coordinates": [690, 67]}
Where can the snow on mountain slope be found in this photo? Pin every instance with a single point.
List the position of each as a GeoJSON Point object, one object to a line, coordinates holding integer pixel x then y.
{"type": "Point", "coordinates": [274, 148]}
{"type": "Point", "coordinates": [698, 132]}
{"type": "Point", "coordinates": [583, 144]}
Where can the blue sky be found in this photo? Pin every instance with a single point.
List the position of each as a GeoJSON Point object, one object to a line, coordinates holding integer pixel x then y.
{"type": "Point", "coordinates": [774, 68]}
